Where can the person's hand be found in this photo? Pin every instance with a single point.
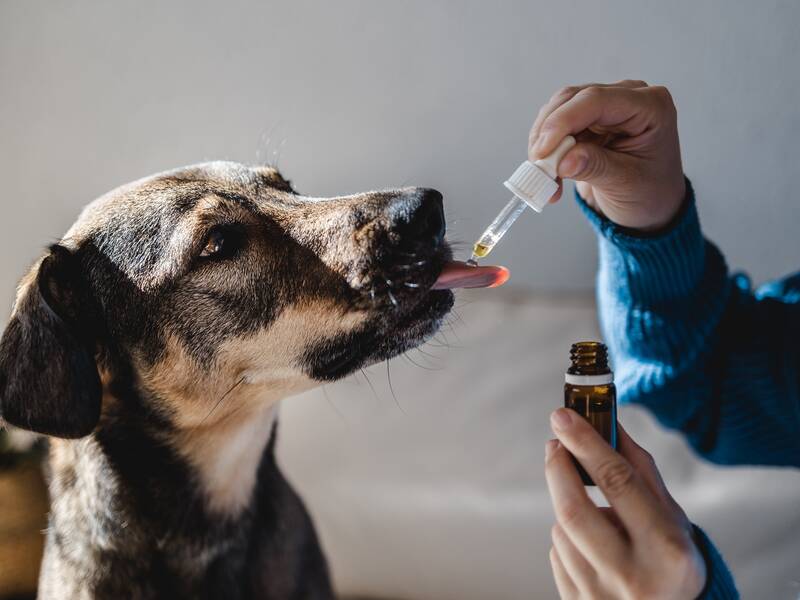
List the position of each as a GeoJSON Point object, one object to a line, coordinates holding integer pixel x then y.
{"type": "Point", "coordinates": [627, 161]}
{"type": "Point", "coordinates": [642, 546]}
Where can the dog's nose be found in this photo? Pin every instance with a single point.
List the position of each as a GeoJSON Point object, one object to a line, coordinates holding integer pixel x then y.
{"type": "Point", "coordinates": [426, 223]}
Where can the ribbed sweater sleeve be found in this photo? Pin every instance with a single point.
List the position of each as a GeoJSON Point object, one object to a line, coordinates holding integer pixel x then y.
{"type": "Point", "coordinates": [719, 581]}
{"type": "Point", "coordinates": [705, 353]}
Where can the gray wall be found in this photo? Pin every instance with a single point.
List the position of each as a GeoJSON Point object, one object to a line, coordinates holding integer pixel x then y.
{"type": "Point", "coordinates": [376, 94]}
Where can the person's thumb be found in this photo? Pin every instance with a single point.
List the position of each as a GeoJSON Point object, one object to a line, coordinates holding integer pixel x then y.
{"type": "Point", "coordinates": [592, 164]}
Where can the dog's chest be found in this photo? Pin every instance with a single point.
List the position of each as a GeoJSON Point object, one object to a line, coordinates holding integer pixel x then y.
{"type": "Point", "coordinates": [131, 522]}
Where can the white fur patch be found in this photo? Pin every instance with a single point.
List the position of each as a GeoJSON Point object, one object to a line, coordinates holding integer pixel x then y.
{"type": "Point", "coordinates": [227, 459]}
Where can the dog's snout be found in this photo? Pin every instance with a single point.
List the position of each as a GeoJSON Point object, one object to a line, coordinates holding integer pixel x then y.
{"type": "Point", "coordinates": [426, 223]}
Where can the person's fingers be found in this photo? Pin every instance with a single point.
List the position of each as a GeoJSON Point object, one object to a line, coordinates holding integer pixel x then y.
{"type": "Point", "coordinates": [588, 529]}
{"type": "Point", "coordinates": [612, 516]}
{"type": "Point", "coordinates": [641, 460]}
{"type": "Point", "coordinates": [567, 93]}
{"type": "Point", "coordinates": [630, 83]}
{"type": "Point", "coordinates": [618, 109]}
{"type": "Point", "coordinates": [645, 465]}
{"type": "Point", "coordinates": [638, 508]}
{"type": "Point", "coordinates": [565, 585]}
{"type": "Point", "coordinates": [594, 164]}
{"type": "Point", "coordinates": [557, 196]}
{"type": "Point", "coordinates": [587, 193]}
{"type": "Point", "coordinates": [581, 573]}
{"type": "Point", "coordinates": [556, 100]}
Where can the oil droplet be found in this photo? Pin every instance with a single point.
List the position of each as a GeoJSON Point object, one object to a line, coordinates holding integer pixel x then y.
{"type": "Point", "coordinates": [481, 250]}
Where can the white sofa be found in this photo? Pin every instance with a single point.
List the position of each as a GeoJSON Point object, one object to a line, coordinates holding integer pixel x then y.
{"type": "Point", "coordinates": [441, 495]}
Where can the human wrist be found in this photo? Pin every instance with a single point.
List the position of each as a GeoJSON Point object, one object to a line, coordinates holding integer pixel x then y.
{"type": "Point", "coordinates": [719, 583]}
{"type": "Point", "coordinates": [663, 214]}
{"type": "Point", "coordinates": [666, 209]}
{"type": "Point", "coordinates": [654, 267]}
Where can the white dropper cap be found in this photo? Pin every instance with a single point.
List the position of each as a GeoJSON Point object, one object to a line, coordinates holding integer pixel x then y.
{"type": "Point", "coordinates": [535, 182]}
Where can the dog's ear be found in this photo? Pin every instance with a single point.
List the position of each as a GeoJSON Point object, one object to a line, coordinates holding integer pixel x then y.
{"type": "Point", "coordinates": [272, 177]}
{"type": "Point", "coordinates": [48, 375]}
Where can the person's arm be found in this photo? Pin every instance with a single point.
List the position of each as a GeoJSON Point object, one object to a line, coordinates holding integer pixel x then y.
{"type": "Point", "coordinates": [705, 353]}
{"type": "Point", "coordinates": [696, 346]}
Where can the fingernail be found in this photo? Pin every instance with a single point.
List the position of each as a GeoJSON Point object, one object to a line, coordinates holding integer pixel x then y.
{"type": "Point", "coordinates": [572, 165]}
{"type": "Point", "coordinates": [561, 419]}
{"type": "Point", "coordinates": [549, 448]}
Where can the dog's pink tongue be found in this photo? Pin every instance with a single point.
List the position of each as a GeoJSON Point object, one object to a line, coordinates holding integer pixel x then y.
{"type": "Point", "coordinates": [457, 274]}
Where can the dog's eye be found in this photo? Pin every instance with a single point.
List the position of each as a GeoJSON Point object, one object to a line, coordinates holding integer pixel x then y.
{"type": "Point", "coordinates": [222, 242]}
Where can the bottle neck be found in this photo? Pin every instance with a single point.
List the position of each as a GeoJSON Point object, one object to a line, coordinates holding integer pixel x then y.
{"type": "Point", "coordinates": [589, 359]}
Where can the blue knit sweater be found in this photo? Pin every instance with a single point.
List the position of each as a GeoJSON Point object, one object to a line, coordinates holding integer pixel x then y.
{"type": "Point", "coordinates": [705, 353]}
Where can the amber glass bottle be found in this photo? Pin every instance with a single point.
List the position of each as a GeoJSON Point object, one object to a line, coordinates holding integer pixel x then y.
{"type": "Point", "coordinates": [589, 390]}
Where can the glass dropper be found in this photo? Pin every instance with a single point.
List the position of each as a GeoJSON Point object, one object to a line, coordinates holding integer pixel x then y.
{"type": "Point", "coordinates": [533, 184]}
{"type": "Point", "coordinates": [497, 229]}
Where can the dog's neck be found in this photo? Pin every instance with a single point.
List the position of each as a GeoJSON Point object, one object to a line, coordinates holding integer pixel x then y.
{"type": "Point", "coordinates": [226, 455]}
{"type": "Point", "coordinates": [146, 484]}
{"type": "Point", "coordinates": [219, 418]}
{"type": "Point", "coordinates": [140, 511]}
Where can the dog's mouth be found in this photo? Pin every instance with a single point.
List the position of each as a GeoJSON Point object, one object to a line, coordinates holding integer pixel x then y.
{"type": "Point", "coordinates": [410, 296]}
{"type": "Point", "coordinates": [404, 285]}
{"type": "Point", "coordinates": [456, 274]}
{"type": "Point", "coordinates": [418, 314]}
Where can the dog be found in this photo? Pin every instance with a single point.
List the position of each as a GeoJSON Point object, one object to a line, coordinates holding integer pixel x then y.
{"type": "Point", "coordinates": [152, 344]}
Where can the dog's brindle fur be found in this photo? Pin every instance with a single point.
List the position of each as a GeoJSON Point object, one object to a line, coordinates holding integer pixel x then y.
{"type": "Point", "coordinates": [152, 345]}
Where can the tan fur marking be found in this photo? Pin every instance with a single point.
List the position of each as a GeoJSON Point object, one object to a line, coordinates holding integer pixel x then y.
{"type": "Point", "coordinates": [224, 414]}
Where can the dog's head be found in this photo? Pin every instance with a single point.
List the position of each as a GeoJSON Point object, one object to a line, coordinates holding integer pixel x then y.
{"type": "Point", "coordinates": [193, 283]}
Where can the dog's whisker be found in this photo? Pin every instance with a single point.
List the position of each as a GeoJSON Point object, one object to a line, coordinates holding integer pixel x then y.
{"type": "Point", "coordinates": [276, 153]}
{"type": "Point", "coordinates": [440, 343]}
{"type": "Point", "coordinates": [369, 382]}
{"type": "Point", "coordinates": [410, 284]}
{"type": "Point", "coordinates": [428, 354]}
{"type": "Point", "coordinates": [218, 402]}
{"type": "Point", "coordinates": [457, 317]}
{"type": "Point", "coordinates": [416, 364]}
{"type": "Point", "coordinates": [393, 299]}
{"type": "Point", "coordinates": [447, 341]}
{"type": "Point", "coordinates": [331, 403]}
{"type": "Point", "coordinates": [437, 345]}
{"type": "Point", "coordinates": [449, 324]}
{"type": "Point", "coordinates": [391, 387]}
